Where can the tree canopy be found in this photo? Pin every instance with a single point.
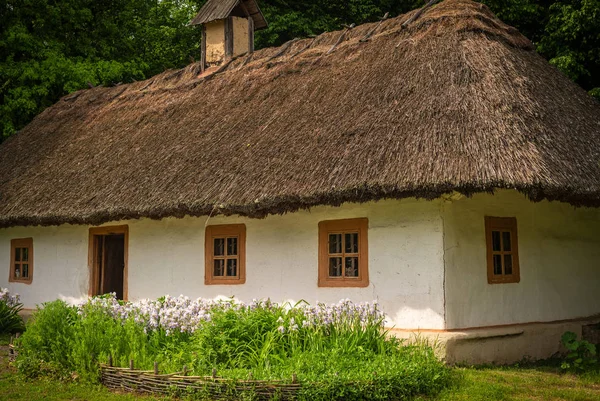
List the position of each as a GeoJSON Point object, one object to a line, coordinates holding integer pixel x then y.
{"type": "Point", "coordinates": [49, 48]}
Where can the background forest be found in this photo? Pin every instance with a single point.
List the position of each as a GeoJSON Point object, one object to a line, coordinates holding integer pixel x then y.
{"type": "Point", "coordinates": [49, 48]}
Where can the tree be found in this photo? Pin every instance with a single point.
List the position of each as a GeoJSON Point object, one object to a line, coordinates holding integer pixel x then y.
{"type": "Point", "coordinates": [572, 41]}
{"type": "Point", "coordinates": [49, 48]}
{"type": "Point", "coordinates": [290, 19]}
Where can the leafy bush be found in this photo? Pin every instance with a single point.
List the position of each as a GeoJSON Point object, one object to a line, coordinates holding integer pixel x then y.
{"type": "Point", "coordinates": [10, 320]}
{"type": "Point", "coordinates": [338, 351]}
{"type": "Point", "coordinates": [581, 354]}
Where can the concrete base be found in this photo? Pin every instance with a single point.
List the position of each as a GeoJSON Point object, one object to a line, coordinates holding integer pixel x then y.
{"type": "Point", "coordinates": [499, 345]}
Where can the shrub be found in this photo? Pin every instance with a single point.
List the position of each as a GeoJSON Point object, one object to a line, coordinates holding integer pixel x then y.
{"type": "Point", "coordinates": [338, 351]}
{"type": "Point", "coordinates": [10, 320]}
{"type": "Point", "coordinates": [46, 344]}
{"type": "Point", "coordinates": [581, 354]}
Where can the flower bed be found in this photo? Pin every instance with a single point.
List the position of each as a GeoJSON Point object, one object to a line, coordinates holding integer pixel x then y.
{"type": "Point", "coordinates": [337, 351]}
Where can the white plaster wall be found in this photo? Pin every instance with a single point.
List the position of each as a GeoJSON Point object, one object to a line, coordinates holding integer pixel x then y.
{"type": "Point", "coordinates": [559, 255]}
{"type": "Point", "coordinates": [167, 257]}
{"type": "Point", "coordinates": [59, 265]}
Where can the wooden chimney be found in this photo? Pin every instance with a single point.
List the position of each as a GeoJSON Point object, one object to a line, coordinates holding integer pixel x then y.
{"type": "Point", "coordinates": [228, 28]}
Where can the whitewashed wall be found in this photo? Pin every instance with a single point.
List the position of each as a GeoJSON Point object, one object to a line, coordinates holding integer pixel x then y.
{"type": "Point", "coordinates": [559, 254]}
{"type": "Point", "coordinates": [167, 257]}
{"type": "Point", "coordinates": [59, 263]}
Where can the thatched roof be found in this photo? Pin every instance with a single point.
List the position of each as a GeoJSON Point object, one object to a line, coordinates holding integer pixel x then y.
{"type": "Point", "coordinates": [219, 9]}
{"type": "Point", "coordinates": [457, 101]}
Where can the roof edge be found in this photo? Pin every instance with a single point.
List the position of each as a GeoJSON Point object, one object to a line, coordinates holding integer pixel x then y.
{"type": "Point", "coordinates": [290, 204]}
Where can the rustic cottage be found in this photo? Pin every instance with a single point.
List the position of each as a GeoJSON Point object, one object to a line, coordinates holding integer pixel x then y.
{"type": "Point", "coordinates": [433, 162]}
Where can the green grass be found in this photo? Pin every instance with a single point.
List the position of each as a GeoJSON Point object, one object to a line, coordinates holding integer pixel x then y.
{"type": "Point", "coordinates": [541, 383]}
{"type": "Point", "coordinates": [14, 388]}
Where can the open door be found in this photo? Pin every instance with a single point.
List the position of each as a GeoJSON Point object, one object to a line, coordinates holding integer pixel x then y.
{"type": "Point", "coordinates": [108, 261]}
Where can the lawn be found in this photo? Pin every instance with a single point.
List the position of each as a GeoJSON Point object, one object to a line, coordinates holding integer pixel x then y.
{"type": "Point", "coordinates": [472, 384]}
{"type": "Point", "coordinates": [544, 383]}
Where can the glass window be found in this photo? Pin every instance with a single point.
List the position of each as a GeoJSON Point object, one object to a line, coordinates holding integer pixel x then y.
{"type": "Point", "coordinates": [21, 263]}
{"type": "Point", "coordinates": [502, 250]}
{"type": "Point", "coordinates": [225, 254]}
{"type": "Point", "coordinates": [343, 253]}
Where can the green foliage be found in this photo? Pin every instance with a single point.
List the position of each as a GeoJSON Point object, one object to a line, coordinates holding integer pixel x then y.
{"type": "Point", "coordinates": [572, 41]}
{"type": "Point", "coordinates": [45, 346]}
{"type": "Point", "coordinates": [10, 320]}
{"type": "Point", "coordinates": [291, 19]}
{"type": "Point", "coordinates": [48, 48]}
{"type": "Point", "coordinates": [581, 354]}
{"type": "Point", "coordinates": [347, 360]}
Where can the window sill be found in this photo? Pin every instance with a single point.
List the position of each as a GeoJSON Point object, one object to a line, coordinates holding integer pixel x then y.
{"type": "Point", "coordinates": [343, 283]}
{"type": "Point", "coordinates": [511, 280]}
{"type": "Point", "coordinates": [20, 281]}
{"type": "Point", "coordinates": [224, 282]}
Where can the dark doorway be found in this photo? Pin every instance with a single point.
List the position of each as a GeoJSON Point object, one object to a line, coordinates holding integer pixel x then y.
{"type": "Point", "coordinates": [109, 261]}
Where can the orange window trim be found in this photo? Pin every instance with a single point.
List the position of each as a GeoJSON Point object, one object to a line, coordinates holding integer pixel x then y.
{"type": "Point", "coordinates": [224, 231]}
{"type": "Point", "coordinates": [360, 225]}
{"type": "Point", "coordinates": [18, 244]}
{"type": "Point", "coordinates": [502, 224]}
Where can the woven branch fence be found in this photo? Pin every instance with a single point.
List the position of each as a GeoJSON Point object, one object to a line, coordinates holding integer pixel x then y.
{"type": "Point", "coordinates": [214, 387]}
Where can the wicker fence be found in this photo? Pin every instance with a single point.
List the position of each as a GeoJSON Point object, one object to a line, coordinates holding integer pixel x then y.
{"type": "Point", "coordinates": [214, 387]}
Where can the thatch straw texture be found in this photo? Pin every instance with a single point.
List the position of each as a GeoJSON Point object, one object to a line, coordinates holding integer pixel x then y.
{"type": "Point", "coordinates": [457, 101]}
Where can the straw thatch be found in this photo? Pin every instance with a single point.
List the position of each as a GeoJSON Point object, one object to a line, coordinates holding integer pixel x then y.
{"type": "Point", "coordinates": [457, 101]}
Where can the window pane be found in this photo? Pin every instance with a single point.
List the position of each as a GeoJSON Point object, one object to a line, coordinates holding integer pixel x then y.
{"type": "Point", "coordinates": [508, 264]}
{"type": "Point", "coordinates": [506, 241]}
{"type": "Point", "coordinates": [17, 271]}
{"type": "Point", "coordinates": [25, 273]}
{"type": "Point", "coordinates": [335, 243]}
{"type": "Point", "coordinates": [352, 243]}
{"type": "Point", "coordinates": [232, 246]}
{"type": "Point", "coordinates": [497, 264]}
{"type": "Point", "coordinates": [496, 241]}
{"type": "Point", "coordinates": [219, 270]}
{"type": "Point", "coordinates": [231, 267]}
{"type": "Point", "coordinates": [352, 267]}
{"type": "Point", "coordinates": [17, 254]}
{"type": "Point", "coordinates": [219, 247]}
{"type": "Point", "coordinates": [335, 267]}
{"type": "Point", "coordinates": [25, 254]}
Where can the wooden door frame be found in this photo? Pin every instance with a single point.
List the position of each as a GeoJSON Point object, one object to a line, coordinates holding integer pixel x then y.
{"type": "Point", "coordinates": [93, 271]}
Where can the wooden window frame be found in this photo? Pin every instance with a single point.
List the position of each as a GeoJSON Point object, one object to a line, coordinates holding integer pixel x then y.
{"type": "Point", "coordinates": [21, 243]}
{"type": "Point", "coordinates": [226, 231]}
{"type": "Point", "coordinates": [502, 224]}
{"type": "Point", "coordinates": [360, 225]}
{"type": "Point", "coordinates": [92, 257]}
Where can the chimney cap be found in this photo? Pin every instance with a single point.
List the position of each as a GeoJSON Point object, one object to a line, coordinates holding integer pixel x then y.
{"type": "Point", "coordinates": [220, 9]}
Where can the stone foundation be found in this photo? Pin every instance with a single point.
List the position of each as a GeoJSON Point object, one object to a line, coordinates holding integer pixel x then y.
{"type": "Point", "coordinates": [505, 344]}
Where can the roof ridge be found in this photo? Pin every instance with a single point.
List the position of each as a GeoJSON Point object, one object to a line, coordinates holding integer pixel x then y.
{"type": "Point", "coordinates": [269, 56]}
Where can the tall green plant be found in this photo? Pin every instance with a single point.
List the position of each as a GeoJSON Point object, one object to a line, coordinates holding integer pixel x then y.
{"type": "Point", "coordinates": [337, 351]}
{"type": "Point", "coordinates": [10, 309]}
{"type": "Point", "coordinates": [10, 320]}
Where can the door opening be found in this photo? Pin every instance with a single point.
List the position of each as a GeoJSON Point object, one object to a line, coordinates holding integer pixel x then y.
{"type": "Point", "coordinates": [108, 254]}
